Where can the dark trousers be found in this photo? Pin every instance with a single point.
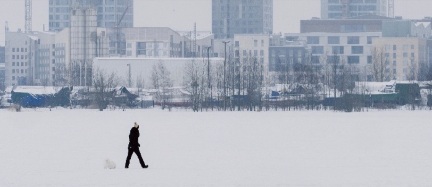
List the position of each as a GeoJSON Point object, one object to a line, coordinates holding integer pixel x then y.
{"type": "Point", "coordinates": [137, 152]}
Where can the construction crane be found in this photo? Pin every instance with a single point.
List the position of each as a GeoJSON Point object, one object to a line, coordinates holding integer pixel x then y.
{"type": "Point", "coordinates": [28, 16]}
{"type": "Point", "coordinates": [117, 27]}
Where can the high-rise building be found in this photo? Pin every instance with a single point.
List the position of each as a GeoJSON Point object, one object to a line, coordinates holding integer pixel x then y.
{"type": "Point", "coordinates": [110, 13]}
{"type": "Point", "coordinates": [340, 9]}
{"type": "Point", "coordinates": [231, 17]}
{"type": "Point", "coordinates": [2, 54]}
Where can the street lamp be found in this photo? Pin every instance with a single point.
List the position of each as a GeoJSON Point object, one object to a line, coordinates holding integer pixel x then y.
{"type": "Point", "coordinates": [208, 76]}
{"type": "Point", "coordinates": [129, 76]}
{"type": "Point", "coordinates": [224, 77]}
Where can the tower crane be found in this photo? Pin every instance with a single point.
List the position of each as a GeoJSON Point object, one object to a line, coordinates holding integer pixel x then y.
{"type": "Point", "coordinates": [28, 16]}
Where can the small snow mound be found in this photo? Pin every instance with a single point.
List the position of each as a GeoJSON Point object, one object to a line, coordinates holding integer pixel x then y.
{"type": "Point", "coordinates": [109, 164]}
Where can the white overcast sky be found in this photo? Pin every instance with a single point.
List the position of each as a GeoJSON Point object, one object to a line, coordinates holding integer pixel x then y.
{"type": "Point", "coordinates": [181, 14]}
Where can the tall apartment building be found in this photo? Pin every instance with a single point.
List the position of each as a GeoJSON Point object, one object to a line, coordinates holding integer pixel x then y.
{"type": "Point", "coordinates": [2, 54]}
{"type": "Point", "coordinates": [2, 67]}
{"type": "Point", "coordinates": [109, 12]}
{"type": "Point", "coordinates": [339, 9]}
{"type": "Point", "coordinates": [56, 58]}
{"type": "Point", "coordinates": [231, 17]}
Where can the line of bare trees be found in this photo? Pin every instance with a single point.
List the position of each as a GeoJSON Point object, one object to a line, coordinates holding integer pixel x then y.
{"type": "Point", "coordinates": [306, 83]}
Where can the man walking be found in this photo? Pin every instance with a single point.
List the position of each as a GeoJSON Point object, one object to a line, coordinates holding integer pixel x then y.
{"type": "Point", "coordinates": [134, 146]}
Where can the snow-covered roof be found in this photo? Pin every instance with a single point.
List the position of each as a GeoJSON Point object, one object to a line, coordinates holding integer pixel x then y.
{"type": "Point", "coordinates": [37, 89]}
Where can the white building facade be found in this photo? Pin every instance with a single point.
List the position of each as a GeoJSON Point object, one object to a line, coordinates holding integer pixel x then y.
{"type": "Point", "coordinates": [352, 49]}
{"type": "Point", "coordinates": [142, 68]}
{"type": "Point", "coordinates": [404, 58]}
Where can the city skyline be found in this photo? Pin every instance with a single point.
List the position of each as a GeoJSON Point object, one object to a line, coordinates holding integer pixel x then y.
{"type": "Point", "coordinates": [181, 15]}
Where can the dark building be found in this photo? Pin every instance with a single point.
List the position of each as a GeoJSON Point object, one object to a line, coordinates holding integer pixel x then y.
{"type": "Point", "coordinates": [231, 17]}
{"type": "Point", "coordinates": [110, 13]}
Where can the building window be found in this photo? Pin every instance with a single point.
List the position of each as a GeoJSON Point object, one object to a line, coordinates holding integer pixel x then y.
{"type": "Point", "coordinates": [237, 43]}
{"type": "Point", "coordinates": [370, 39]}
{"type": "Point", "coordinates": [357, 49]}
{"type": "Point", "coordinates": [338, 49]}
{"type": "Point", "coordinates": [353, 40]}
{"type": "Point", "coordinates": [369, 59]}
{"type": "Point", "coordinates": [318, 50]}
{"type": "Point", "coordinates": [256, 43]}
{"type": "Point", "coordinates": [313, 40]}
{"type": "Point", "coordinates": [315, 59]}
{"type": "Point", "coordinates": [13, 56]}
{"type": "Point", "coordinates": [13, 63]}
{"type": "Point", "coordinates": [394, 48]}
{"type": "Point", "coordinates": [333, 40]}
{"type": "Point", "coordinates": [13, 78]}
{"type": "Point", "coordinates": [13, 49]}
{"type": "Point", "coordinates": [353, 59]}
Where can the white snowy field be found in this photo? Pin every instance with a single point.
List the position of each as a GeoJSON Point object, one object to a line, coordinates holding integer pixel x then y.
{"type": "Point", "coordinates": [68, 148]}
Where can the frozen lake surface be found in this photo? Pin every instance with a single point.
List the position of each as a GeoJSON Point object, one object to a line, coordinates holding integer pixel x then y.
{"type": "Point", "coordinates": [68, 148]}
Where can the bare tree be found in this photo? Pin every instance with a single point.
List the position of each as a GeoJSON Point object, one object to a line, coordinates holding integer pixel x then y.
{"type": "Point", "coordinates": [379, 64]}
{"type": "Point", "coordinates": [412, 70]}
{"type": "Point", "coordinates": [140, 83]}
{"type": "Point", "coordinates": [103, 85]}
{"type": "Point", "coordinates": [60, 75]}
{"type": "Point", "coordinates": [196, 83]}
{"type": "Point", "coordinates": [161, 81]}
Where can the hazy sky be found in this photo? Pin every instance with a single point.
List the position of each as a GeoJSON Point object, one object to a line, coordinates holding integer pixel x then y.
{"type": "Point", "coordinates": [181, 14]}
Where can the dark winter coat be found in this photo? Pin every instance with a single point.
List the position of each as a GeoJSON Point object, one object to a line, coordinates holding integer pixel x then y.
{"type": "Point", "coordinates": [133, 138]}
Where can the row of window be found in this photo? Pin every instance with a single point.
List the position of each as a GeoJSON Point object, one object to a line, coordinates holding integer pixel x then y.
{"type": "Point", "coordinates": [319, 50]}
{"type": "Point", "coordinates": [354, 1]}
{"type": "Point", "coordinates": [237, 43]}
{"type": "Point", "coordinates": [18, 56]}
{"type": "Point", "coordinates": [394, 47]}
{"type": "Point", "coordinates": [246, 53]}
{"type": "Point", "coordinates": [18, 49]}
{"type": "Point", "coordinates": [336, 39]}
{"type": "Point", "coordinates": [405, 55]}
{"type": "Point", "coordinates": [17, 71]}
{"type": "Point", "coordinates": [18, 64]}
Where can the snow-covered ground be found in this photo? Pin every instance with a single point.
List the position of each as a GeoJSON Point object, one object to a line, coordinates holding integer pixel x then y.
{"type": "Point", "coordinates": [68, 148]}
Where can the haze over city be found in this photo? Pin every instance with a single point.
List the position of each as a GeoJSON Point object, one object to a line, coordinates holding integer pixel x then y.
{"type": "Point", "coordinates": [216, 93]}
{"type": "Point", "coordinates": [182, 14]}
